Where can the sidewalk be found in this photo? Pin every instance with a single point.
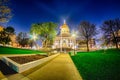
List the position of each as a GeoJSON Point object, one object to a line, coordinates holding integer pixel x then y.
{"type": "Point", "coordinates": [60, 68]}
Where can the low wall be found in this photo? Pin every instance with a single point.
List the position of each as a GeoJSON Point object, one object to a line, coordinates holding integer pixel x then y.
{"type": "Point", "coordinates": [23, 67]}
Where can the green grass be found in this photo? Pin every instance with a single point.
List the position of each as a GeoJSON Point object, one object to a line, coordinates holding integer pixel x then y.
{"type": "Point", "coordinates": [98, 65]}
{"type": "Point", "coordinates": [10, 50]}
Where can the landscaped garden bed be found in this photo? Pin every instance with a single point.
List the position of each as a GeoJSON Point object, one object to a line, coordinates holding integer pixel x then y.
{"type": "Point", "coordinates": [26, 59]}
{"type": "Point", "coordinates": [23, 63]}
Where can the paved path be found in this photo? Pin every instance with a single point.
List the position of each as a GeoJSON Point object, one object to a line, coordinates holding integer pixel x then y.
{"type": "Point", "coordinates": [60, 68]}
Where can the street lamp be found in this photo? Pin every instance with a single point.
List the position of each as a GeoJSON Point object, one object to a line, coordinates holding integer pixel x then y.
{"type": "Point", "coordinates": [33, 37]}
{"type": "Point", "coordinates": [74, 35]}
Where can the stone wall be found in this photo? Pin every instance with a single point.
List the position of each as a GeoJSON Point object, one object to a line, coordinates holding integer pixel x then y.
{"type": "Point", "coordinates": [23, 67]}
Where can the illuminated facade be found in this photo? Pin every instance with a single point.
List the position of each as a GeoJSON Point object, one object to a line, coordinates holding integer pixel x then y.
{"type": "Point", "coordinates": [64, 39]}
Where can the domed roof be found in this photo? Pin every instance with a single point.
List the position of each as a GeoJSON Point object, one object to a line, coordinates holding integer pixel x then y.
{"type": "Point", "coordinates": [65, 30]}
{"type": "Point", "coordinates": [64, 26]}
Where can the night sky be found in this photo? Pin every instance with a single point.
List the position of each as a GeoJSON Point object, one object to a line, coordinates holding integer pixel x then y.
{"type": "Point", "coordinates": [26, 12]}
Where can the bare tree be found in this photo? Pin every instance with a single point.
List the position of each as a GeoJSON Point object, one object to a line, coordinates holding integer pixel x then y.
{"type": "Point", "coordinates": [110, 29]}
{"type": "Point", "coordinates": [22, 39]}
{"type": "Point", "coordinates": [5, 11]}
{"type": "Point", "coordinates": [87, 31]}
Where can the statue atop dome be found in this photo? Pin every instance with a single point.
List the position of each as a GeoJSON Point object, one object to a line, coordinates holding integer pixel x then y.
{"type": "Point", "coordinates": [64, 21]}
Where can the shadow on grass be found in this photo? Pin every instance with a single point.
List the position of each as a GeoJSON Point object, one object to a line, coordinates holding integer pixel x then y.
{"type": "Point", "coordinates": [6, 70]}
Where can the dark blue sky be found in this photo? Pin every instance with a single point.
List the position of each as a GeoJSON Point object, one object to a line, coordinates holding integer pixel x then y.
{"type": "Point", "coordinates": [27, 12]}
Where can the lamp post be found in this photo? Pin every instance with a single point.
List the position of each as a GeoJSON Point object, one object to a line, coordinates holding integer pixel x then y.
{"type": "Point", "coordinates": [74, 36]}
{"type": "Point", "coordinates": [34, 37]}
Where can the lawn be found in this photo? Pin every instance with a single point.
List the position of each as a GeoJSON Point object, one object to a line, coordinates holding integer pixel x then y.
{"type": "Point", "coordinates": [98, 65]}
{"type": "Point", "coordinates": [10, 50]}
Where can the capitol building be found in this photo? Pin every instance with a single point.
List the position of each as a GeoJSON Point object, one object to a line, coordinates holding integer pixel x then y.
{"type": "Point", "coordinates": [65, 40]}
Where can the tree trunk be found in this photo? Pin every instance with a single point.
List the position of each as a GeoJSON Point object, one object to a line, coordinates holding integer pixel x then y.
{"type": "Point", "coordinates": [43, 44]}
{"type": "Point", "coordinates": [116, 44]}
{"type": "Point", "coordinates": [46, 44]}
{"type": "Point", "coordinates": [42, 41]}
{"type": "Point", "coordinates": [114, 38]}
{"type": "Point", "coordinates": [46, 41]}
{"type": "Point", "coordinates": [87, 45]}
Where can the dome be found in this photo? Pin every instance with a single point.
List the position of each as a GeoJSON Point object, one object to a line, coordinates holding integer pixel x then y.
{"type": "Point", "coordinates": [65, 29]}
{"type": "Point", "coordinates": [65, 26]}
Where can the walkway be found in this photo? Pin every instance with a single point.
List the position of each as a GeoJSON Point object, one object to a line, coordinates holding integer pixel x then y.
{"type": "Point", "coordinates": [60, 68]}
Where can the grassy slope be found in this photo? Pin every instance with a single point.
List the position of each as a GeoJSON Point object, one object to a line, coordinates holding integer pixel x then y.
{"type": "Point", "coordinates": [10, 50]}
{"type": "Point", "coordinates": [98, 65]}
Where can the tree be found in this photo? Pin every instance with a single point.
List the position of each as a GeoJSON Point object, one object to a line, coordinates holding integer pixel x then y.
{"type": "Point", "coordinates": [110, 28]}
{"type": "Point", "coordinates": [5, 16]}
{"type": "Point", "coordinates": [5, 35]}
{"type": "Point", "coordinates": [5, 11]}
{"type": "Point", "coordinates": [31, 43]}
{"type": "Point", "coordinates": [87, 31]}
{"type": "Point", "coordinates": [23, 39]}
{"type": "Point", "coordinates": [46, 31]}
{"type": "Point", "coordinates": [117, 23]}
{"type": "Point", "coordinates": [10, 30]}
{"type": "Point", "coordinates": [4, 39]}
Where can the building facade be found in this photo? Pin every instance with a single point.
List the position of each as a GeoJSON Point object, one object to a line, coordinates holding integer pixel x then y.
{"type": "Point", "coordinates": [64, 40]}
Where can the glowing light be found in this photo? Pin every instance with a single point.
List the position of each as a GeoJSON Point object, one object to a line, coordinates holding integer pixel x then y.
{"type": "Point", "coordinates": [53, 47]}
{"type": "Point", "coordinates": [74, 33]}
{"type": "Point", "coordinates": [64, 21]}
{"type": "Point", "coordinates": [34, 37]}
